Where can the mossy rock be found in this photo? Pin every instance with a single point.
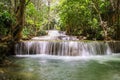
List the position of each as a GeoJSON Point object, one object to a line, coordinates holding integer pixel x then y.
{"type": "Point", "coordinates": [3, 51]}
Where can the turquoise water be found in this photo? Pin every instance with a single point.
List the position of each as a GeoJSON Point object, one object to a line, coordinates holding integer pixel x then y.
{"type": "Point", "coordinates": [62, 68]}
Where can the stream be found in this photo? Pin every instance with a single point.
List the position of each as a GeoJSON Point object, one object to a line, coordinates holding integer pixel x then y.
{"type": "Point", "coordinates": [46, 67]}
{"type": "Point", "coordinates": [57, 56]}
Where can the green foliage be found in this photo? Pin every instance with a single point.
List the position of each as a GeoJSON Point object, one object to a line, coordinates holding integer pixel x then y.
{"type": "Point", "coordinates": [78, 17]}
{"type": "Point", "coordinates": [5, 18]}
{"type": "Point", "coordinates": [74, 14]}
{"type": "Point", "coordinates": [5, 22]}
{"type": "Point", "coordinates": [3, 7]}
{"type": "Point", "coordinates": [35, 20]}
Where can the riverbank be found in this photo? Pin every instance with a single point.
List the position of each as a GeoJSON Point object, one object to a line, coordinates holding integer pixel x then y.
{"type": "Point", "coordinates": [4, 53]}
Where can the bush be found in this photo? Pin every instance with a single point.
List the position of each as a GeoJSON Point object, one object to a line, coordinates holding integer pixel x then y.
{"type": "Point", "coordinates": [5, 22]}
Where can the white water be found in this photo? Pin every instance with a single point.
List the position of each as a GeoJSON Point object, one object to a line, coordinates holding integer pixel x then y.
{"type": "Point", "coordinates": [64, 48]}
{"type": "Point", "coordinates": [57, 43]}
{"type": "Point", "coordinates": [55, 35]}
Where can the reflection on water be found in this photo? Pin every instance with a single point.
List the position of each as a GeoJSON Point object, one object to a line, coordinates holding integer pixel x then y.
{"type": "Point", "coordinates": [56, 68]}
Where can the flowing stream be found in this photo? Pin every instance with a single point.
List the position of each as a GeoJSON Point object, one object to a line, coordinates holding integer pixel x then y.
{"type": "Point", "coordinates": [57, 56]}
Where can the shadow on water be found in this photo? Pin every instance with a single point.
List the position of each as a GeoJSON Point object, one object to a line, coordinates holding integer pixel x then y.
{"type": "Point", "coordinates": [42, 68]}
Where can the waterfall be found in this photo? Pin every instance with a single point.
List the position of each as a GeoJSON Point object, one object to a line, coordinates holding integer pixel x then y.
{"type": "Point", "coordinates": [60, 44]}
{"type": "Point", "coordinates": [62, 48]}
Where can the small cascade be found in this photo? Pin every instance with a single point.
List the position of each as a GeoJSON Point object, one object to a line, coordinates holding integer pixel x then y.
{"type": "Point", "coordinates": [60, 44]}
{"type": "Point", "coordinates": [56, 35]}
{"type": "Point", "coordinates": [62, 48]}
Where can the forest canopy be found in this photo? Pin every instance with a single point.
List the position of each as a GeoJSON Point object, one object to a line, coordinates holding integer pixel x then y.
{"type": "Point", "coordinates": [92, 19]}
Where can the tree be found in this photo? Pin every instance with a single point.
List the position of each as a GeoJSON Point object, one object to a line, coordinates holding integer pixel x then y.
{"type": "Point", "coordinates": [97, 19]}
{"type": "Point", "coordinates": [103, 23]}
{"type": "Point", "coordinates": [19, 8]}
{"type": "Point", "coordinates": [116, 20]}
{"type": "Point", "coordinates": [36, 15]}
{"type": "Point", "coordinates": [74, 14]}
{"type": "Point", "coordinates": [17, 30]}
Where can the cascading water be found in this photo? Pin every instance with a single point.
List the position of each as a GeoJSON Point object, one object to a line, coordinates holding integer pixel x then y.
{"type": "Point", "coordinates": [57, 43]}
{"type": "Point", "coordinates": [62, 48]}
{"type": "Point", "coordinates": [55, 35]}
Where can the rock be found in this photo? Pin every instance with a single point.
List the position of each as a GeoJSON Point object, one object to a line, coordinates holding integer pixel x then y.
{"type": "Point", "coordinates": [3, 51]}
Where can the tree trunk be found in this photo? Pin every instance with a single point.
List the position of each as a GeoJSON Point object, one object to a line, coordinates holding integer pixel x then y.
{"type": "Point", "coordinates": [103, 24]}
{"type": "Point", "coordinates": [17, 30]}
{"type": "Point", "coordinates": [49, 5]}
{"type": "Point", "coordinates": [116, 17]}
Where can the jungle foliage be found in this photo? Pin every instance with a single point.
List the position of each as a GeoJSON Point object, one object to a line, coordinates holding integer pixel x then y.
{"type": "Point", "coordinates": [93, 19]}
{"type": "Point", "coordinates": [5, 19]}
